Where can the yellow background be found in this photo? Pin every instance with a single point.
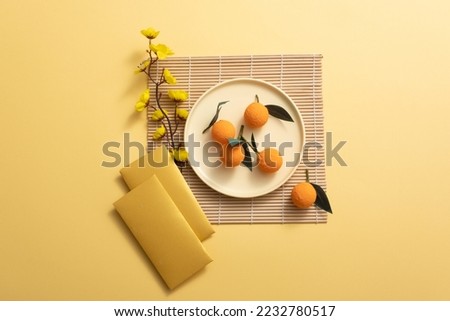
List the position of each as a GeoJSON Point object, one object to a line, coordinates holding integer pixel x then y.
{"type": "Point", "coordinates": [67, 87]}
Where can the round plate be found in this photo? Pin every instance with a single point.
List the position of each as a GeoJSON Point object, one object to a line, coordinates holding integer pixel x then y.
{"type": "Point", "coordinates": [287, 137]}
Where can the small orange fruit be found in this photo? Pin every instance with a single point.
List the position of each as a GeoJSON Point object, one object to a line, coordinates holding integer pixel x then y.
{"type": "Point", "coordinates": [232, 156]}
{"type": "Point", "coordinates": [269, 160]}
{"type": "Point", "coordinates": [222, 130]}
{"type": "Point", "coordinates": [256, 115]}
{"type": "Point", "coordinates": [303, 195]}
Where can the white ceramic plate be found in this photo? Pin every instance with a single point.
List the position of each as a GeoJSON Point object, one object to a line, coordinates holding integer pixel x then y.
{"type": "Point", "coordinates": [287, 137]}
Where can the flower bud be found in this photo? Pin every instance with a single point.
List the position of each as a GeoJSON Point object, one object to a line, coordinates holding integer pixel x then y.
{"type": "Point", "coordinates": [182, 113]}
{"type": "Point", "coordinates": [158, 115]}
{"type": "Point", "coordinates": [159, 133]}
{"type": "Point", "coordinates": [150, 33]}
{"type": "Point", "coordinates": [178, 95]}
{"type": "Point", "coordinates": [180, 154]}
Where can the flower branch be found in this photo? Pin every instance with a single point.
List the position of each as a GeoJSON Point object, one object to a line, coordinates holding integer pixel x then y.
{"type": "Point", "coordinates": [168, 126]}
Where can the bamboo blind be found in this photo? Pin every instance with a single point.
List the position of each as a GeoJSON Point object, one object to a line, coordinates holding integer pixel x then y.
{"type": "Point", "coordinates": [300, 77]}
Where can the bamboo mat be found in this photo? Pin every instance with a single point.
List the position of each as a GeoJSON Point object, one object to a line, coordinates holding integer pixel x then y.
{"type": "Point", "coordinates": [300, 77]}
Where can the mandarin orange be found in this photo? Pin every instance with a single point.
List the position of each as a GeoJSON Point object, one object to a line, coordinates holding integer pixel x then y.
{"type": "Point", "coordinates": [303, 195]}
{"type": "Point", "coordinates": [222, 130]}
{"type": "Point", "coordinates": [256, 115]}
{"type": "Point", "coordinates": [232, 156]}
{"type": "Point", "coordinates": [269, 160]}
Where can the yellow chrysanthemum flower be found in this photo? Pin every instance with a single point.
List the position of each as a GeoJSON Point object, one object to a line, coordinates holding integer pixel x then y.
{"type": "Point", "coordinates": [158, 114]}
{"type": "Point", "coordinates": [150, 33]}
{"type": "Point", "coordinates": [178, 95]}
{"type": "Point", "coordinates": [142, 66]}
{"type": "Point", "coordinates": [140, 106]}
{"type": "Point", "coordinates": [159, 132]}
{"type": "Point", "coordinates": [182, 113]}
{"type": "Point", "coordinates": [180, 154]}
{"type": "Point", "coordinates": [145, 96]}
{"type": "Point", "coordinates": [162, 51]}
{"type": "Point", "coordinates": [171, 80]}
{"type": "Point", "coordinates": [143, 100]}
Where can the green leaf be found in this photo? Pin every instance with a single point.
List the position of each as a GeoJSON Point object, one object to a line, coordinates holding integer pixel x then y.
{"type": "Point", "coordinates": [216, 116]}
{"type": "Point", "coordinates": [248, 161]}
{"type": "Point", "coordinates": [322, 199]}
{"type": "Point", "coordinates": [234, 142]}
{"type": "Point", "coordinates": [241, 131]}
{"type": "Point", "coordinates": [213, 121]}
{"type": "Point", "coordinates": [279, 112]}
{"type": "Point", "coordinates": [222, 103]}
{"type": "Point", "coordinates": [253, 143]}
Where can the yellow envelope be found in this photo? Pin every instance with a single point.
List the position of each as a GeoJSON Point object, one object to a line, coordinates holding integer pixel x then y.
{"type": "Point", "coordinates": [160, 162]}
{"type": "Point", "coordinates": [163, 232]}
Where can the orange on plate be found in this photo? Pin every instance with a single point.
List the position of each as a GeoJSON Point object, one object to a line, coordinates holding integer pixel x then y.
{"type": "Point", "coordinates": [222, 130]}
{"type": "Point", "coordinates": [269, 160]}
{"type": "Point", "coordinates": [256, 115]}
{"type": "Point", "coordinates": [232, 156]}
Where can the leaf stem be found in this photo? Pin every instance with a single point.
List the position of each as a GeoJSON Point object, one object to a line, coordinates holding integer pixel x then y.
{"type": "Point", "coordinates": [241, 131]}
